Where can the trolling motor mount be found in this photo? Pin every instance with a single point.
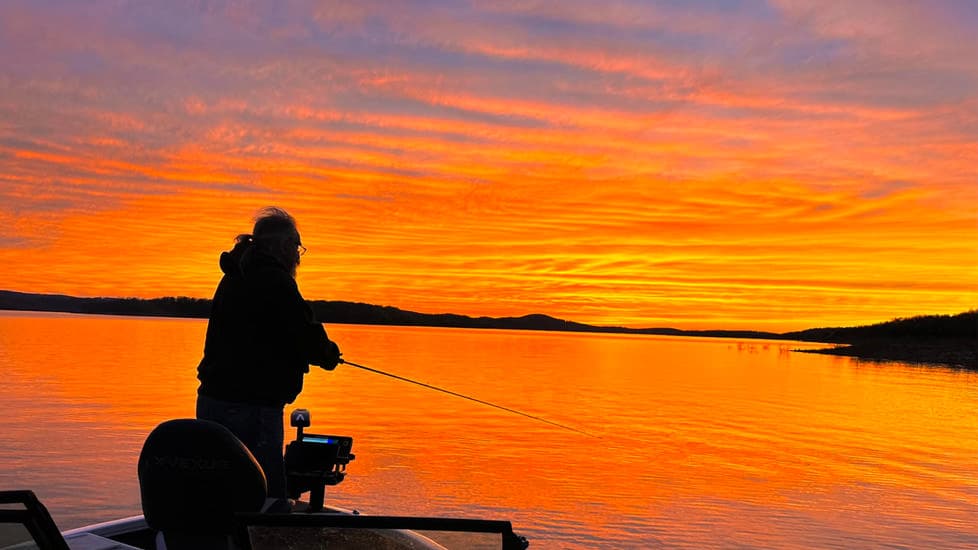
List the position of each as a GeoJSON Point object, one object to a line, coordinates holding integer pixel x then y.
{"type": "Point", "coordinates": [314, 461]}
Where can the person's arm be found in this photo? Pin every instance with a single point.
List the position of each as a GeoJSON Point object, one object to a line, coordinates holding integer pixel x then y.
{"type": "Point", "coordinates": [325, 353]}
{"type": "Point", "coordinates": [296, 325]}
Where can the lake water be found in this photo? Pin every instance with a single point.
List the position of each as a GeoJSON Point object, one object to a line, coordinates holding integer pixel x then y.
{"type": "Point", "coordinates": [697, 442]}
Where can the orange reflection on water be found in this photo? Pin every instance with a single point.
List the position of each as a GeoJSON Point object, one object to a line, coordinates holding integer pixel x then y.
{"type": "Point", "coordinates": [697, 442]}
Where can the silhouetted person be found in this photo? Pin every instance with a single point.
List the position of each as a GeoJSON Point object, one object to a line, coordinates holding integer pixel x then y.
{"type": "Point", "coordinates": [261, 338]}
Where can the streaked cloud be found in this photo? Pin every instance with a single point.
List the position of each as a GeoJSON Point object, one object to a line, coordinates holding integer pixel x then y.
{"type": "Point", "coordinates": [754, 164]}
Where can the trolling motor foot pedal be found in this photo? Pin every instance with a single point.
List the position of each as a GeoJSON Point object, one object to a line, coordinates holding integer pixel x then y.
{"type": "Point", "coordinates": [314, 461]}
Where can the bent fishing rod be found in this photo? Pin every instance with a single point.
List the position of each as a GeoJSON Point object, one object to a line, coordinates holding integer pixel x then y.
{"type": "Point", "coordinates": [449, 392]}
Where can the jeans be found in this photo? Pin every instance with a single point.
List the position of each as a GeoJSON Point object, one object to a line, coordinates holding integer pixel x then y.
{"type": "Point", "coordinates": [259, 427]}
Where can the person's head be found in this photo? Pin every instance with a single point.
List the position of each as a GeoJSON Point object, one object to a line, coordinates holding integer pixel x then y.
{"type": "Point", "coordinates": [275, 233]}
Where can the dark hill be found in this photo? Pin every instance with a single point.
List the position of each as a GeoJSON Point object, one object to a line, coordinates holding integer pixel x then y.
{"type": "Point", "coordinates": [158, 307]}
{"type": "Point", "coordinates": [926, 327]}
{"type": "Point", "coordinates": [942, 339]}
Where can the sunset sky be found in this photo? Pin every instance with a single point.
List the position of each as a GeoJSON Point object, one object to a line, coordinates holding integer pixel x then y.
{"type": "Point", "coordinates": [771, 165]}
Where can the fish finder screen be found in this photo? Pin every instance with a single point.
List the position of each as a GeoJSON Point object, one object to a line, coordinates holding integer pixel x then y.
{"type": "Point", "coordinates": [320, 439]}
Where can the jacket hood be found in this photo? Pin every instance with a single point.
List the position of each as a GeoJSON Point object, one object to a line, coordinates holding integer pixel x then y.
{"type": "Point", "coordinates": [244, 257]}
{"type": "Point", "coordinates": [231, 261]}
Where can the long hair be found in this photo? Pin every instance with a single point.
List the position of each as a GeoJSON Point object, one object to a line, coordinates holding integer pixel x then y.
{"type": "Point", "coordinates": [276, 233]}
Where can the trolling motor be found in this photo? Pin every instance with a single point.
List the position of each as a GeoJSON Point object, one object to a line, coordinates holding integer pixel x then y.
{"type": "Point", "coordinates": [314, 461]}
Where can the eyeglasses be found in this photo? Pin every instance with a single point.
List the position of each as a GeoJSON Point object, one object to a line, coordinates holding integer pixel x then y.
{"type": "Point", "coordinates": [301, 250]}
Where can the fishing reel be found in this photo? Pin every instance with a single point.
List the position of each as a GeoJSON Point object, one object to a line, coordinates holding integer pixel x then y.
{"type": "Point", "coordinates": [314, 461]}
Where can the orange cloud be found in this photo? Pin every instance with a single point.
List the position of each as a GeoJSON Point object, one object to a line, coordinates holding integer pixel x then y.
{"type": "Point", "coordinates": [694, 167]}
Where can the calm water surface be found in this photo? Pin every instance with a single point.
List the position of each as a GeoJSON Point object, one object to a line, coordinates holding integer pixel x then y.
{"type": "Point", "coordinates": [700, 442]}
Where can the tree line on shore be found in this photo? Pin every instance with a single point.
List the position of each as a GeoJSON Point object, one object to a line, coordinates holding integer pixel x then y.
{"type": "Point", "coordinates": [963, 326]}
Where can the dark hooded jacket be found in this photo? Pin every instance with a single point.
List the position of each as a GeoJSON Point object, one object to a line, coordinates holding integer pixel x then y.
{"type": "Point", "coordinates": [262, 336]}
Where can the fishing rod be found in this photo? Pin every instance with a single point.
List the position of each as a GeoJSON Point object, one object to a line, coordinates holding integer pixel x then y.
{"type": "Point", "coordinates": [449, 392]}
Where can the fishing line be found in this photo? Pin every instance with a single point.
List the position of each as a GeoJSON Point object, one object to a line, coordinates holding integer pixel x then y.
{"type": "Point", "coordinates": [449, 392]}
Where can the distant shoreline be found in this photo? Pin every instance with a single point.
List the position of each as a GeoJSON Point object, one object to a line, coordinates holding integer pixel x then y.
{"type": "Point", "coordinates": [951, 353]}
{"type": "Point", "coordinates": [937, 339]}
